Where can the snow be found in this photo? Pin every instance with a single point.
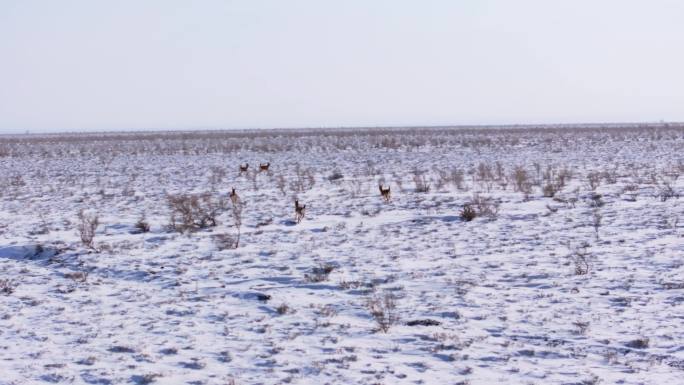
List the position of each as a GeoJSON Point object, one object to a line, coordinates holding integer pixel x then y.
{"type": "Point", "coordinates": [173, 308]}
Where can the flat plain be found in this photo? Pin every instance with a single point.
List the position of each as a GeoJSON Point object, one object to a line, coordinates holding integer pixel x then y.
{"type": "Point", "coordinates": [501, 255]}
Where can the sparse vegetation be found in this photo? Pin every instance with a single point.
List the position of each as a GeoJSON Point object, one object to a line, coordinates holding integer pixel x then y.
{"type": "Point", "coordinates": [192, 212]}
{"type": "Point", "coordinates": [479, 206]}
{"type": "Point", "coordinates": [421, 182]}
{"type": "Point", "coordinates": [86, 227]}
{"type": "Point", "coordinates": [320, 273]}
{"type": "Point", "coordinates": [7, 286]}
{"type": "Point", "coordinates": [383, 308]}
{"type": "Point", "coordinates": [468, 213]}
{"type": "Point", "coordinates": [428, 269]}
{"type": "Point", "coordinates": [581, 259]}
{"type": "Point", "coordinates": [142, 226]}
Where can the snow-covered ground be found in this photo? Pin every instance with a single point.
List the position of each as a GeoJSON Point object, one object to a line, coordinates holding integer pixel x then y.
{"type": "Point", "coordinates": [584, 287]}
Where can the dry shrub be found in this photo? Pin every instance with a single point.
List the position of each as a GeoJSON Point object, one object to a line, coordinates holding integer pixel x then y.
{"type": "Point", "coordinates": [521, 180]}
{"type": "Point", "coordinates": [383, 309]}
{"type": "Point", "coordinates": [236, 212]}
{"type": "Point", "coordinates": [581, 259]}
{"type": "Point", "coordinates": [453, 176]}
{"type": "Point", "coordinates": [142, 226]}
{"type": "Point", "coordinates": [7, 286]}
{"type": "Point", "coordinates": [484, 172]}
{"type": "Point", "coordinates": [593, 180]}
{"type": "Point", "coordinates": [550, 189]}
{"type": "Point", "coordinates": [304, 179]}
{"type": "Point", "coordinates": [224, 241]}
{"type": "Point", "coordinates": [596, 222]}
{"type": "Point", "coordinates": [666, 191]}
{"type": "Point", "coordinates": [216, 176]}
{"type": "Point", "coordinates": [457, 178]}
{"type": "Point", "coordinates": [485, 206]}
{"type": "Point", "coordinates": [283, 309]}
{"type": "Point", "coordinates": [596, 200]}
{"type": "Point", "coordinates": [468, 213]}
{"type": "Point", "coordinates": [554, 180]}
{"type": "Point", "coordinates": [281, 183]}
{"type": "Point", "coordinates": [479, 206]}
{"type": "Point", "coordinates": [87, 225]}
{"type": "Point", "coordinates": [191, 212]}
{"type": "Point", "coordinates": [422, 185]}
{"type": "Point", "coordinates": [320, 273]}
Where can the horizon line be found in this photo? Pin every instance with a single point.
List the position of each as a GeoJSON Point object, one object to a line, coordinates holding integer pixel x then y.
{"type": "Point", "coordinates": [342, 127]}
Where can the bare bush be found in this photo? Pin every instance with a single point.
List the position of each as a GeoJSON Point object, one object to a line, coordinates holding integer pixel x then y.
{"type": "Point", "coordinates": [666, 191]}
{"type": "Point", "coordinates": [468, 213]}
{"type": "Point", "coordinates": [236, 212]}
{"type": "Point", "coordinates": [521, 180]}
{"type": "Point", "coordinates": [479, 206]}
{"type": "Point", "coordinates": [484, 172]}
{"type": "Point", "coordinates": [87, 225]}
{"type": "Point", "coordinates": [78, 276]}
{"type": "Point", "coordinates": [320, 273]}
{"type": "Point", "coordinates": [452, 176]}
{"type": "Point", "coordinates": [224, 241]}
{"type": "Point", "coordinates": [596, 222]}
{"type": "Point", "coordinates": [593, 180]}
{"type": "Point", "coordinates": [581, 259]}
{"type": "Point", "coordinates": [553, 181]}
{"type": "Point", "coordinates": [216, 176]}
{"type": "Point", "coordinates": [191, 212]}
{"type": "Point", "coordinates": [304, 179]}
{"type": "Point", "coordinates": [631, 190]}
{"type": "Point", "coordinates": [421, 183]}
{"type": "Point", "coordinates": [356, 187]}
{"type": "Point", "coordinates": [383, 309]}
{"type": "Point", "coordinates": [550, 189]}
{"type": "Point", "coordinates": [7, 286]}
{"type": "Point", "coordinates": [457, 178]}
{"type": "Point", "coordinates": [254, 178]}
{"type": "Point", "coordinates": [596, 200]}
{"type": "Point", "coordinates": [281, 183]}
{"type": "Point", "coordinates": [283, 309]}
{"type": "Point", "coordinates": [485, 206]}
{"type": "Point", "coordinates": [142, 226]}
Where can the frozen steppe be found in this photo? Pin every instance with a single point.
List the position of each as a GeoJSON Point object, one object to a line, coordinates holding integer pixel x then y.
{"type": "Point", "coordinates": [572, 271]}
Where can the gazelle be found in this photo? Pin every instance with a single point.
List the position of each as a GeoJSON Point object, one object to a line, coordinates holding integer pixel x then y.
{"type": "Point", "coordinates": [234, 197]}
{"type": "Point", "coordinates": [385, 192]}
{"type": "Point", "coordinates": [264, 166]}
{"type": "Point", "coordinates": [243, 168]}
{"type": "Point", "coordinates": [299, 211]}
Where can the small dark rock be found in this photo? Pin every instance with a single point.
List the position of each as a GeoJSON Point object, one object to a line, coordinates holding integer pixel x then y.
{"type": "Point", "coordinates": [423, 322]}
{"type": "Point", "coordinates": [121, 349]}
{"type": "Point", "coordinates": [263, 297]}
{"type": "Point", "coordinates": [641, 343]}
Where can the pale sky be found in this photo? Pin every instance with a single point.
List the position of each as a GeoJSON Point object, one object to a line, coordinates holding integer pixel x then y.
{"type": "Point", "coordinates": [72, 65]}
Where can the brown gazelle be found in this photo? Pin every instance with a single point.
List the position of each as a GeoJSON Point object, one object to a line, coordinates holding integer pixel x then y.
{"type": "Point", "coordinates": [234, 197]}
{"type": "Point", "coordinates": [385, 192]}
{"type": "Point", "coordinates": [264, 166]}
{"type": "Point", "coordinates": [299, 211]}
{"type": "Point", "coordinates": [244, 167]}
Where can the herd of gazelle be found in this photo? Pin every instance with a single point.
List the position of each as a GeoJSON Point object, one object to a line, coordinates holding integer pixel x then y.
{"type": "Point", "coordinates": [262, 167]}
{"type": "Point", "coordinates": [385, 192]}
